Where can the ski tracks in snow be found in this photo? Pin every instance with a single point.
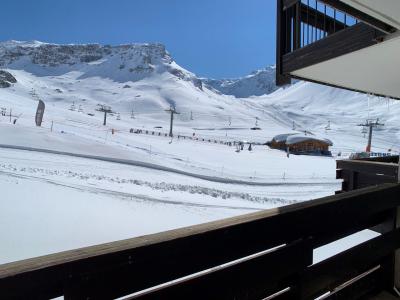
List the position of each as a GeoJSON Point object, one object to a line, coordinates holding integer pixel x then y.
{"type": "Point", "coordinates": [168, 169]}
{"type": "Point", "coordinates": [123, 195]}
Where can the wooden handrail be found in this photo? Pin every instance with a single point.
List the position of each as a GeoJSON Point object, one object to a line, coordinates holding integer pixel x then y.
{"type": "Point", "coordinates": [362, 173]}
{"type": "Point", "coordinates": [116, 269]}
{"type": "Point", "coordinates": [369, 166]}
{"type": "Point", "coordinates": [253, 278]}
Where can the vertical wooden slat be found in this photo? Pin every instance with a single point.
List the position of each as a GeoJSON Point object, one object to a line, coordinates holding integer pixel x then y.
{"type": "Point", "coordinates": [316, 20]}
{"type": "Point", "coordinates": [281, 43]}
{"type": "Point", "coordinates": [297, 287]}
{"type": "Point", "coordinates": [389, 265]}
{"type": "Point", "coordinates": [289, 30]}
{"type": "Point", "coordinates": [308, 22]}
{"type": "Point", "coordinates": [351, 185]}
{"type": "Point", "coordinates": [325, 33]}
{"type": "Point", "coordinates": [397, 256]}
{"type": "Point", "coordinates": [297, 23]}
{"type": "Point", "coordinates": [397, 253]}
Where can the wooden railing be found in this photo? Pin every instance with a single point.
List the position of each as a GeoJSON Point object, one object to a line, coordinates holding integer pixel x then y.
{"type": "Point", "coordinates": [255, 256]}
{"type": "Point", "coordinates": [366, 172]}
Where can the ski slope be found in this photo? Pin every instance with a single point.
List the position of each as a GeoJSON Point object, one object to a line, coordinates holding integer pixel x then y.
{"type": "Point", "coordinates": [82, 183]}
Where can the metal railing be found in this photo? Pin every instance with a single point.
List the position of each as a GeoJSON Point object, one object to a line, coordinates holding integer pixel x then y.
{"type": "Point", "coordinates": [309, 21]}
{"type": "Point", "coordinates": [309, 24]}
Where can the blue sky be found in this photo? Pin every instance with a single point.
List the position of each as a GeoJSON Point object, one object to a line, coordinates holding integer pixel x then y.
{"type": "Point", "coordinates": [213, 38]}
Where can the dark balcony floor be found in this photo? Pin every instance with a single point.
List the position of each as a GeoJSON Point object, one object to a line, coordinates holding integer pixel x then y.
{"type": "Point", "coordinates": [384, 296]}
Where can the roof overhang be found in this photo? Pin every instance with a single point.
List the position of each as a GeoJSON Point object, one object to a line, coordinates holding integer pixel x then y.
{"type": "Point", "coordinates": [363, 56]}
{"type": "Point", "coordinates": [374, 69]}
{"type": "Point", "coordinates": [388, 11]}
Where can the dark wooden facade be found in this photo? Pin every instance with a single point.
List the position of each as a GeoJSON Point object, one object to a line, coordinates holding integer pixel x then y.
{"type": "Point", "coordinates": [277, 145]}
{"type": "Point", "coordinates": [304, 147]}
{"type": "Point", "coordinates": [309, 146]}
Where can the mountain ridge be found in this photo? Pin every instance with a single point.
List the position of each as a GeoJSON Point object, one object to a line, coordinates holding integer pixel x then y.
{"type": "Point", "coordinates": [123, 63]}
{"type": "Point", "coordinates": [257, 83]}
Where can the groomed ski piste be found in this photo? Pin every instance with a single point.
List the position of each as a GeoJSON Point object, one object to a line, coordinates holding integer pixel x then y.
{"type": "Point", "coordinates": [73, 182]}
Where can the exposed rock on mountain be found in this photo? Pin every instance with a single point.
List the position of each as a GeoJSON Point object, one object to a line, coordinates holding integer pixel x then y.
{"type": "Point", "coordinates": [119, 63]}
{"type": "Point", "coordinates": [6, 79]}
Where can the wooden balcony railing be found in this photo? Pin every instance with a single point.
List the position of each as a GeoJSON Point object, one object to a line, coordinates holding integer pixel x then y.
{"type": "Point", "coordinates": [264, 255]}
{"type": "Point", "coordinates": [367, 172]}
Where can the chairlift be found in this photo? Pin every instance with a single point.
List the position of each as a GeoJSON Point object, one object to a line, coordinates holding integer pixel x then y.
{"type": "Point", "coordinates": [364, 130]}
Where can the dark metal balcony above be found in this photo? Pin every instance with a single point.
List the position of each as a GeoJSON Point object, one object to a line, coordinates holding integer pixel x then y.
{"type": "Point", "coordinates": [331, 42]}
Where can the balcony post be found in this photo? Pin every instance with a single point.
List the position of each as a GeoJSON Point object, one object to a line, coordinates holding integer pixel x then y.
{"type": "Point", "coordinates": [397, 257]}
{"type": "Point", "coordinates": [297, 26]}
{"type": "Point", "coordinates": [281, 42]}
{"type": "Point", "coordinates": [397, 253]}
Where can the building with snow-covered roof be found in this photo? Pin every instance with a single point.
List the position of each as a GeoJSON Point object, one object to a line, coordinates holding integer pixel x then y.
{"type": "Point", "coordinates": [298, 143]}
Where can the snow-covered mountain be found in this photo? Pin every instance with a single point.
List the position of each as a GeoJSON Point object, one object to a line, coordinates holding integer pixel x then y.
{"type": "Point", "coordinates": [260, 82]}
{"type": "Point", "coordinates": [119, 63]}
{"type": "Point", "coordinates": [140, 75]}
{"type": "Point", "coordinates": [122, 63]}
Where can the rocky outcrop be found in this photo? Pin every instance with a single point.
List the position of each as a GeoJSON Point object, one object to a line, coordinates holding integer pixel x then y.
{"type": "Point", "coordinates": [121, 63]}
{"type": "Point", "coordinates": [6, 79]}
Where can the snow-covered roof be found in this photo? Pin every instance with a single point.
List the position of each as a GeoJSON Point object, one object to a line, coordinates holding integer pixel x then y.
{"type": "Point", "coordinates": [282, 137]}
{"type": "Point", "coordinates": [293, 138]}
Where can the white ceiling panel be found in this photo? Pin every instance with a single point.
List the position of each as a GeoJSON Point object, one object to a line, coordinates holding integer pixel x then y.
{"type": "Point", "coordinates": [374, 69]}
{"type": "Point", "coordinates": [387, 11]}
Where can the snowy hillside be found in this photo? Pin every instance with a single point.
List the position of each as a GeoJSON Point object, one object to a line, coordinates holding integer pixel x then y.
{"type": "Point", "coordinates": [141, 183]}
{"type": "Point", "coordinates": [260, 82]}
{"type": "Point", "coordinates": [336, 114]}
